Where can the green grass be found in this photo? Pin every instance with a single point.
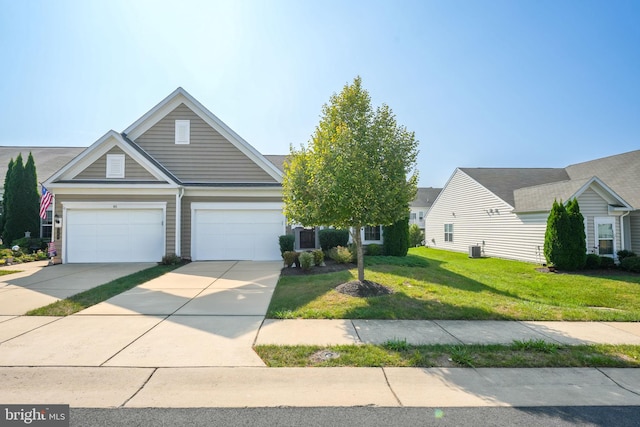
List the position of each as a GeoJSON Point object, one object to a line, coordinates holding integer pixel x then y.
{"type": "Point", "coordinates": [5, 272]}
{"type": "Point", "coordinates": [93, 296]}
{"type": "Point", "coordinates": [477, 356]}
{"type": "Point", "coordinates": [436, 284]}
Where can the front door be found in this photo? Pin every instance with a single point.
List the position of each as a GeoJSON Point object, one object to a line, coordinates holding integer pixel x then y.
{"type": "Point", "coordinates": [605, 236]}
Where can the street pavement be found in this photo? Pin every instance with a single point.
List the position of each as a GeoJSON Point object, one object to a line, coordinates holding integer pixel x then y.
{"type": "Point", "coordinates": [184, 340]}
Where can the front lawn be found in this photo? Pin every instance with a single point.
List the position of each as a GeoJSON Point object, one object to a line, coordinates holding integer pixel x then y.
{"type": "Point", "coordinates": [436, 284]}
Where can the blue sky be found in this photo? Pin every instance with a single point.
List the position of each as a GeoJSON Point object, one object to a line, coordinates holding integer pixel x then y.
{"type": "Point", "coordinates": [481, 83]}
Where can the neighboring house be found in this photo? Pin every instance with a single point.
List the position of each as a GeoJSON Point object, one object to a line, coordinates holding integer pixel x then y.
{"type": "Point", "coordinates": [421, 205]}
{"type": "Point", "coordinates": [505, 210]}
{"type": "Point", "coordinates": [47, 160]}
{"type": "Point", "coordinates": [178, 180]}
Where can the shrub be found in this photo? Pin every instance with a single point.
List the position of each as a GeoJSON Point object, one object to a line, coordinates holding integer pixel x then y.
{"type": "Point", "coordinates": [631, 263]}
{"type": "Point", "coordinates": [374, 249]}
{"type": "Point", "coordinates": [318, 257]}
{"type": "Point", "coordinates": [290, 257]}
{"type": "Point", "coordinates": [564, 240]}
{"type": "Point", "coordinates": [171, 259]}
{"type": "Point", "coordinates": [625, 254]}
{"type": "Point", "coordinates": [41, 255]}
{"type": "Point", "coordinates": [592, 262]}
{"type": "Point", "coordinates": [331, 238]}
{"type": "Point", "coordinates": [340, 254]}
{"type": "Point", "coordinates": [306, 260]}
{"type": "Point", "coordinates": [606, 262]}
{"type": "Point", "coordinates": [286, 243]}
{"type": "Point", "coordinates": [396, 238]}
{"type": "Point", "coordinates": [416, 236]}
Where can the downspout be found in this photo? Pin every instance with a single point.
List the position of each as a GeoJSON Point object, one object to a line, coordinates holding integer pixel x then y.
{"type": "Point", "coordinates": [623, 246]}
{"type": "Point", "coordinates": [179, 195]}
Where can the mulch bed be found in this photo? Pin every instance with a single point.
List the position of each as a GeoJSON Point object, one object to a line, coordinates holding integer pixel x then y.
{"type": "Point", "coordinates": [363, 289]}
{"type": "Point", "coordinates": [330, 267]}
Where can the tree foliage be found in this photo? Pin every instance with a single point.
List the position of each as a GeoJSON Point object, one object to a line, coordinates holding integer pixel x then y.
{"type": "Point", "coordinates": [21, 201]}
{"type": "Point", "coordinates": [358, 168]}
{"type": "Point", "coordinates": [565, 241]}
{"type": "Point", "coordinates": [396, 238]}
{"type": "Point", "coordinates": [5, 198]}
{"type": "Point", "coordinates": [32, 198]}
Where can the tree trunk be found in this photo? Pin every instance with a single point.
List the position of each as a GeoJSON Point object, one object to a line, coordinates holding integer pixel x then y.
{"type": "Point", "coordinates": [357, 239]}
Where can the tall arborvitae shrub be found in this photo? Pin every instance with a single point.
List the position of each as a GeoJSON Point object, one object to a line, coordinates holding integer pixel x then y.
{"type": "Point", "coordinates": [31, 198]}
{"type": "Point", "coordinates": [396, 238]}
{"type": "Point", "coordinates": [555, 238]}
{"type": "Point", "coordinates": [5, 199]}
{"type": "Point", "coordinates": [14, 225]}
{"type": "Point", "coordinates": [578, 239]}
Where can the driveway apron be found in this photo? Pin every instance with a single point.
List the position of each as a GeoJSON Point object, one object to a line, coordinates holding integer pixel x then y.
{"type": "Point", "coordinates": [202, 314]}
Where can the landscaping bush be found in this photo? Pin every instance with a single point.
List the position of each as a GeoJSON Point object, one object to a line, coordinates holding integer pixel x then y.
{"type": "Point", "coordinates": [592, 262]}
{"type": "Point", "coordinates": [318, 257]}
{"type": "Point", "coordinates": [625, 254]}
{"type": "Point", "coordinates": [171, 259]}
{"type": "Point", "coordinates": [396, 238]}
{"type": "Point", "coordinates": [606, 262]}
{"type": "Point", "coordinates": [416, 236]}
{"type": "Point", "coordinates": [331, 238]}
{"type": "Point", "coordinates": [374, 249]}
{"type": "Point", "coordinates": [290, 257]}
{"type": "Point", "coordinates": [286, 243]}
{"type": "Point", "coordinates": [564, 240]}
{"type": "Point", "coordinates": [631, 263]}
{"type": "Point", "coordinates": [306, 260]}
{"type": "Point", "coordinates": [341, 255]}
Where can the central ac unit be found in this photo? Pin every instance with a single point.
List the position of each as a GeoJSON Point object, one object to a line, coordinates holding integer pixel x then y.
{"type": "Point", "coordinates": [475, 252]}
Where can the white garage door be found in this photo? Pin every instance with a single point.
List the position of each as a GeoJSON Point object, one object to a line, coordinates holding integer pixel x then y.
{"type": "Point", "coordinates": [232, 233]}
{"type": "Point", "coordinates": [114, 235]}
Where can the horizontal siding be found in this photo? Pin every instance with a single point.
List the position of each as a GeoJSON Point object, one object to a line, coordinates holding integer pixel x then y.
{"type": "Point", "coordinates": [479, 217]}
{"type": "Point", "coordinates": [634, 221]}
{"type": "Point", "coordinates": [170, 218]}
{"type": "Point", "coordinates": [591, 207]}
{"type": "Point", "coordinates": [208, 158]}
{"type": "Point", "coordinates": [132, 169]}
{"type": "Point", "coordinates": [186, 214]}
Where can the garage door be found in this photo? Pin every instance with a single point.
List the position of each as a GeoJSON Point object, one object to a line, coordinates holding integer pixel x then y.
{"type": "Point", "coordinates": [114, 235]}
{"type": "Point", "coordinates": [232, 233]}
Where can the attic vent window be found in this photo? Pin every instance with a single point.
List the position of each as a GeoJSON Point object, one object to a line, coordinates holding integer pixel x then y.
{"type": "Point", "coordinates": [115, 165]}
{"type": "Point", "coordinates": [183, 131]}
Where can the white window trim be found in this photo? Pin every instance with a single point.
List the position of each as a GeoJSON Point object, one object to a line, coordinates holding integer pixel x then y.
{"type": "Point", "coordinates": [605, 220]}
{"type": "Point", "coordinates": [183, 132]}
{"type": "Point", "coordinates": [365, 241]}
{"type": "Point", "coordinates": [448, 232]}
{"type": "Point", "coordinates": [115, 165]}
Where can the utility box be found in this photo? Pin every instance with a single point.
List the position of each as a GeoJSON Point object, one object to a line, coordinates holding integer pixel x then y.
{"type": "Point", "coordinates": [475, 252]}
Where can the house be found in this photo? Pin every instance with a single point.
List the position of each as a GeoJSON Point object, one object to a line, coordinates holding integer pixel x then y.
{"type": "Point", "coordinates": [178, 180]}
{"type": "Point", "coordinates": [505, 210]}
{"type": "Point", "coordinates": [421, 205]}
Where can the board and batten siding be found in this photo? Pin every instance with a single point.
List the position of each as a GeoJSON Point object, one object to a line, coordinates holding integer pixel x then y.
{"type": "Point", "coordinates": [479, 217]}
{"type": "Point", "coordinates": [170, 225]}
{"type": "Point", "coordinates": [209, 157]}
{"type": "Point", "coordinates": [133, 171]}
{"type": "Point", "coordinates": [185, 235]}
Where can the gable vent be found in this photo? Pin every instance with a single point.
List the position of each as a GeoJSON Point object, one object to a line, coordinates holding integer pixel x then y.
{"type": "Point", "coordinates": [183, 131]}
{"type": "Point", "coordinates": [115, 165]}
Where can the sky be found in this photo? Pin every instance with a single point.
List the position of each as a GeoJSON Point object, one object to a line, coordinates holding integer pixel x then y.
{"type": "Point", "coordinates": [491, 83]}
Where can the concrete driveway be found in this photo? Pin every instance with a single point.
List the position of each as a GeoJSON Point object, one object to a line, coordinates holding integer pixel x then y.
{"type": "Point", "coordinates": [202, 314]}
{"type": "Point", "coordinates": [37, 285]}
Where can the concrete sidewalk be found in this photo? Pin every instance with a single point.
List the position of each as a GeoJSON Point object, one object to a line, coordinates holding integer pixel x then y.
{"type": "Point", "coordinates": [345, 331]}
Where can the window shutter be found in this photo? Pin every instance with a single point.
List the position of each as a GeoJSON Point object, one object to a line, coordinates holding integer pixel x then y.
{"type": "Point", "coordinates": [183, 131]}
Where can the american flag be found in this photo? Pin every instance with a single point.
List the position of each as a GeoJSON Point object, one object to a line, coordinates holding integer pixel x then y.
{"type": "Point", "coordinates": [45, 201]}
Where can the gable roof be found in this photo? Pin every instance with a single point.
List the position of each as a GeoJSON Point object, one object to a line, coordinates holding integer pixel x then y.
{"type": "Point", "coordinates": [425, 197]}
{"type": "Point", "coordinates": [47, 159]}
{"type": "Point", "coordinates": [181, 96]}
{"type": "Point", "coordinates": [503, 181]}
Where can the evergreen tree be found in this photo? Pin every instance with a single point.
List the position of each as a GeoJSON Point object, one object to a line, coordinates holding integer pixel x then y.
{"type": "Point", "coordinates": [32, 198]}
{"type": "Point", "coordinates": [14, 226]}
{"type": "Point", "coordinates": [5, 200]}
{"type": "Point", "coordinates": [578, 242]}
{"type": "Point", "coordinates": [565, 241]}
{"type": "Point", "coordinates": [396, 238]}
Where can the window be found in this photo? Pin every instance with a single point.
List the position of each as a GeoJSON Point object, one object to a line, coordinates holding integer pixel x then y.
{"type": "Point", "coordinates": [421, 216]}
{"type": "Point", "coordinates": [372, 233]}
{"type": "Point", "coordinates": [46, 226]}
{"type": "Point", "coordinates": [115, 165]}
{"type": "Point", "coordinates": [183, 131]}
{"type": "Point", "coordinates": [413, 216]}
{"type": "Point", "coordinates": [605, 236]}
{"type": "Point", "coordinates": [448, 232]}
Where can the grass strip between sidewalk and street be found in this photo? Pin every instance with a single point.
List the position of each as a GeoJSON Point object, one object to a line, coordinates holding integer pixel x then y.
{"type": "Point", "coordinates": [82, 300]}
{"type": "Point", "coordinates": [519, 354]}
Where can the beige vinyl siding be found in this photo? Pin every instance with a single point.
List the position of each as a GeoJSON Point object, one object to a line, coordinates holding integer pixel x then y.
{"type": "Point", "coordinates": [592, 206]}
{"type": "Point", "coordinates": [479, 216]}
{"type": "Point", "coordinates": [209, 157]}
{"type": "Point", "coordinates": [132, 169]}
{"type": "Point", "coordinates": [634, 222]}
{"type": "Point", "coordinates": [170, 225]}
{"type": "Point", "coordinates": [185, 236]}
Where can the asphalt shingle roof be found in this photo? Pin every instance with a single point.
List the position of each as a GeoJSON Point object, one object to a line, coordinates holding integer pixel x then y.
{"type": "Point", "coordinates": [48, 159]}
{"type": "Point", "coordinates": [425, 197]}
